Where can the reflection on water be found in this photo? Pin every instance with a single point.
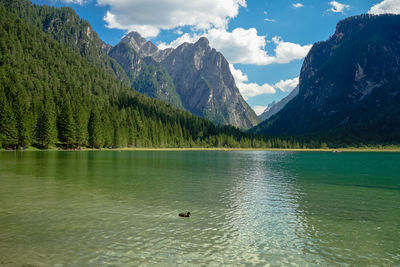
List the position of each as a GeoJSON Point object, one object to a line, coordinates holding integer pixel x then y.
{"type": "Point", "coordinates": [120, 208]}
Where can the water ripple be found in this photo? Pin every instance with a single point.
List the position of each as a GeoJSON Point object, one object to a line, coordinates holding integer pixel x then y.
{"type": "Point", "coordinates": [248, 208]}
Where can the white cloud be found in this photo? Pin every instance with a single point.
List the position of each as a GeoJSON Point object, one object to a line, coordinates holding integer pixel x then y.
{"type": "Point", "coordinates": [288, 85]}
{"type": "Point", "coordinates": [338, 7]}
{"type": "Point", "coordinates": [148, 17]}
{"type": "Point", "coordinates": [249, 90]}
{"type": "Point", "coordinates": [185, 38]}
{"type": "Point", "coordinates": [246, 46]}
{"type": "Point", "coordinates": [238, 75]}
{"type": "Point", "coordinates": [386, 6]}
{"type": "Point", "coordinates": [269, 20]}
{"type": "Point", "coordinates": [259, 109]}
{"type": "Point", "coordinates": [297, 5]}
{"type": "Point", "coordinates": [240, 46]}
{"type": "Point", "coordinates": [286, 51]}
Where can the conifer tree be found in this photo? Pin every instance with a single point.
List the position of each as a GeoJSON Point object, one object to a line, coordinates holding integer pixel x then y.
{"type": "Point", "coordinates": [8, 126]}
{"type": "Point", "coordinates": [66, 125]}
{"type": "Point", "coordinates": [45, 130]}
{"type": "Point", "coordinates": [96, 139]}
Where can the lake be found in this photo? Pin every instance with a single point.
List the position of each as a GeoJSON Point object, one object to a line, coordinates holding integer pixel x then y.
{"type": "Point", "coordinates": [116, 208]}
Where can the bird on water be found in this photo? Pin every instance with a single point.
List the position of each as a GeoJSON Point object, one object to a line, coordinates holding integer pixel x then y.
{"type": "Point", "coordinates": [183, 214]}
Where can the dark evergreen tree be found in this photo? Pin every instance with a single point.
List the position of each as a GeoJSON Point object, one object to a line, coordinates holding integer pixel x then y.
{"type": "Point", "coordinates": [66, 125]}
{"type": "Point", "coordinates": [45, 130]}
{"type": "Point", "coordinates": [96, 139]}
{"type": "Point", "coordinates": [8, 126]}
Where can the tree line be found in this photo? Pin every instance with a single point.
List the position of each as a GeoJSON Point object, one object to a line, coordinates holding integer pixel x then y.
{"type": "Point", "coordinates": [51, 95]}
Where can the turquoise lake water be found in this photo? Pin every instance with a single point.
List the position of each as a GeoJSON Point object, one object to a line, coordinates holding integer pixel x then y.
{"type": "Point", "coordinates": [110, 208]}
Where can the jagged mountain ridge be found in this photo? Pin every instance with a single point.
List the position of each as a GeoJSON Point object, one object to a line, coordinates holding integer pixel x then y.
{"type": "Point", "coordinates": [202, 79]}
{"type": "Point", "coordinates": [146, 75]}
{"type": "Point", "coordinates": [51, 95]}
{"type": "Point", "coordinates": [65, 26]}
{"type": "Point", "coordinates": [349, 85]}
{"type": "Point", "coordinates": [145, 48]}
{"type": "Point", "coordinates": [207, 88]}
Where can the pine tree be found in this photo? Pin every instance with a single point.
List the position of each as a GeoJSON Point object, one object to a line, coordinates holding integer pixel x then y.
{"type": "Point", "coordinates": [96, 139]}
{"type": "Point", "coordinates": [8, 125]}
{"type": "Point", "coordinates": [46, 132]}
{"type": "Point", "coordinates": [81, 125]}
{"type": "Point", "coordinates": [66, 125]}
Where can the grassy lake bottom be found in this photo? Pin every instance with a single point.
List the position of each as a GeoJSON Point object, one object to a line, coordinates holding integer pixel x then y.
{"type": "Point", "coordinates": [121, 208]}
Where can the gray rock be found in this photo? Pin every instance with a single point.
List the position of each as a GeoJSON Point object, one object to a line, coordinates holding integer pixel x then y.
{"type": "Point", "coordinates": [349, 86]}
{"type": "Point", "coordinates": [200, 75]}
{"type": "Point", "coordinates": [207, 88]}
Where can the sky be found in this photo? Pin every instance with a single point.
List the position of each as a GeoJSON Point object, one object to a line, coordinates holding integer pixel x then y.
{"type": "Point", "coordinates": [265, 41]}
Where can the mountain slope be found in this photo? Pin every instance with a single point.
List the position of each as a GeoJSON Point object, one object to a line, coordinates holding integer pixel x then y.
{"type": "Point", "coordinates": [276, 107]}
{"type": "Point", "coordinates": [65, 26]}
{"type": "Point", "coordinates": [146, 75]}
{"type": "Point", "coordinates": [203, 80]}
{"type": "Point", "coordinates": [349, 85]}
{"type": "Point", "coordinates": [145, 48]}
{"type": "Point", "coordinates": [200, 75]}
{"type": "Point", "coordinates": [50, 94]}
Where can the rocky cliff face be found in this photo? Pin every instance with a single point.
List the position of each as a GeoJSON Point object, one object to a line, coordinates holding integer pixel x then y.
{"type": "Point", "coordinates": [145, 48]}
{"type": "Point", "coordinates": [207, 88]}
{"type": "Point", "coordinates": [146, 75]}
{"type": "Point", "coordinates": [349, 85]}
{"type": "Point", "coordinates": [200, 74]}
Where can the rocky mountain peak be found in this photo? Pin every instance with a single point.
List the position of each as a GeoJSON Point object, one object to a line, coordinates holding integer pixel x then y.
{"type": "Point", "coordinates": [135, 40]}
{"type": "Point", "coordinates": [200, 74]}
{"type": "Point", "coordinates": [207, 88]}
{"type": "Point", "coordinates": [145, 48]}
{"type": "Point", "coordinates": [202, 42]}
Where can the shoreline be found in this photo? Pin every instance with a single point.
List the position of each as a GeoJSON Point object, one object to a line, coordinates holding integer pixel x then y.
{"type": "Point", "coordinates": [332, 150]}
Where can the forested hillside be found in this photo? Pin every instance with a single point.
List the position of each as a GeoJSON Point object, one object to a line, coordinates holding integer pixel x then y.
{"type": "Point", "coordinates": [65, 26]}
{"type": "Point", "coordinates": [49, 94]}
{"type": "Point", "coordinates": [349, 86]}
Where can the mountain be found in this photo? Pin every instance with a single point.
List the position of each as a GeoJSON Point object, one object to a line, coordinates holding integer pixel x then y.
{"type": "Point", "coordinates": [145, 74]}
{"type": "Point", "coordinates": [65, 26]}
{"type": "Point", "coordinates": [200, 75]}
{"type": "Point", "coordinates": [127, 61]}
{"type": "Point", "coordinates": [50, 94]}
{"type": "Point", "coordinates": [207, 88]}
{"type": "Point", "coordinates": [349, 86]}
{"type": "Point", "coordinates": [145, 48]}
{"type": "Point", "coordinates": [271, 110]}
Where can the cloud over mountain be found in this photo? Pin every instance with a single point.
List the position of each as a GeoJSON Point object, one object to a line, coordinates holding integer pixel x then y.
{"type": "Point", "coordinates": [386, 6]}
{"type": "Point", "coordinates": [246, 46]}
{"type": "Point", "coordinates": [249, 90]}
{"type": "Point", "coordinates": [148, 17]}
{"type": "Point", "coordinates": [287, 85]}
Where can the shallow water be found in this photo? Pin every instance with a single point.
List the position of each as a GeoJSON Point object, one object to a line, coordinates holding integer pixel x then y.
{"type": "Point", "coordinates": [120, 208]}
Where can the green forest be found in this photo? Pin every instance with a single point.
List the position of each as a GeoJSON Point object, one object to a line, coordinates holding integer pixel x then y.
{"type": "Point", "coordinates": [59, 89]}
{"type": "Point", "coordinates": [51, 96]}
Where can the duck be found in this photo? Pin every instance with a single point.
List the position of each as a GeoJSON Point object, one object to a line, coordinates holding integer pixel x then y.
{"type": "Point", "coordinates": [187, 214]}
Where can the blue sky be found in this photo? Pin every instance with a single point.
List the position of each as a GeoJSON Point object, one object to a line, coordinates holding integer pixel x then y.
{"type": "Point", "coordinates": [265, 41]}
